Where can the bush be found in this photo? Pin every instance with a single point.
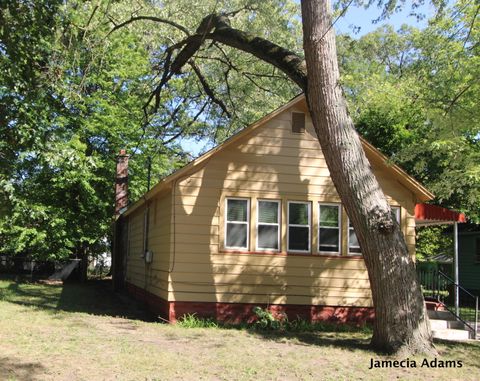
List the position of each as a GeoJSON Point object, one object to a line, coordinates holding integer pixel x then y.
{"type": "Point", "coordinates": [267, 320]}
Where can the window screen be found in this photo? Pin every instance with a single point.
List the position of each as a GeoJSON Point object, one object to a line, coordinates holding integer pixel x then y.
{"type": "Point", "coordinates": [299, 226]}
{"type": "Point", "coordinates": [353, 245]}
{"type": "Point", "coordinates": [396, 213]}
{"type": "Point", "coordinates": [329, 228]}
{"type": "Point", "coordinates": [268, 227]}
{"type": "Point", "coordinates": [236, 232]}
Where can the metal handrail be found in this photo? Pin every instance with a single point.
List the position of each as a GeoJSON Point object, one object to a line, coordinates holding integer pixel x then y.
{"type": "Point", "coordinates": [456, 284]}
{"type": "Point", "coordinates": [458, 288]}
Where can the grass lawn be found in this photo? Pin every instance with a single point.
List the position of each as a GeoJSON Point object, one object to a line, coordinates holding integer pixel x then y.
{"type": "Point", "coordinates": [74, 332]}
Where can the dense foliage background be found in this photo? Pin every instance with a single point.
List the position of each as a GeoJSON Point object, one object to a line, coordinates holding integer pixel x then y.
{"type": "Point", "coordinates": [73, 91]}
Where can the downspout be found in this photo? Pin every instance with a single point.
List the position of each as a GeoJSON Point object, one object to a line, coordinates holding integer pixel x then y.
{"type": "Point", "coordinates": [455, 265]}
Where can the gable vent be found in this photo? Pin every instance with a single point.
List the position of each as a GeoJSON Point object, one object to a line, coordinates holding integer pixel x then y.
{"type": "Point", "coordinates": [298, 122]}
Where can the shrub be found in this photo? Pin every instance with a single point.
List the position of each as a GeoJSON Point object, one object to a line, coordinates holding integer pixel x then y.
{"type": "Point", "coordinates": [267, 320]}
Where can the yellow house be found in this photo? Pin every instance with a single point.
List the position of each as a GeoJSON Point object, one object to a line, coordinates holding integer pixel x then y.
{"type": "Point", "coordinates": [256, 222]}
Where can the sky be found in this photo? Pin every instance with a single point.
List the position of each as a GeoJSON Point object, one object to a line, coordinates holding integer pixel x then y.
{"type": "Point", "coordinates": [363, 18]}
{"type": "Point", "coordinates": [354, 17]}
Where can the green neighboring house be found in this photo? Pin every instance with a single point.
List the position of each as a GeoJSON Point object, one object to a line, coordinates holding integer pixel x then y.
{"type": "Point", "coordinates": [469, 260]}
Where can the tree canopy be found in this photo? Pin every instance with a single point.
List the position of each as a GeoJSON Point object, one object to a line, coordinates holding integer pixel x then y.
{"type": "Point", "coordinates": [73, 92]}
{"type": "Point", "coordinates": [413, 95]}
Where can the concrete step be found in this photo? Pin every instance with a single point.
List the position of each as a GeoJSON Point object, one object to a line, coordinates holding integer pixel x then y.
{"type": "Point", "coordinates": [451, 334]}
{"type": "Point", "coordinates": [445, 324]}
{"type": "Point", "coordinates": [441, 315]}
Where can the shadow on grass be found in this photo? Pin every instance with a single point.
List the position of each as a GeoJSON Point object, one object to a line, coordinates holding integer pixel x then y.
{"type": "Point", "coordinates": [16, 369]}
{"type": "Point", "coordinates": [468, 351]}
{"type": "Point", "coordinates": [94, 297]}
{"type": "Point", "coordinates": [353, 341]}
{"type": "Point", "coordinates": [300, 332]}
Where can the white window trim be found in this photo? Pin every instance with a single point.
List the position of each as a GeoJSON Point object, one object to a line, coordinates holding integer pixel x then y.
{"type": "Point", "coordinates": [237, 222]}
{"type": "Point", "coordinates": [339, 207]}
{"type": "Point", "coordinates": [309, 206]}
{"type": "Point", "coordinates": [278, 224]}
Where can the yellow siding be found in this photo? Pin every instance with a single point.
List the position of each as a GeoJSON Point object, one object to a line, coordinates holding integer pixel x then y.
{"type": "Point", "coordinates": [270, 163]}
{"type": "Point", "coordinates": [152, 277]}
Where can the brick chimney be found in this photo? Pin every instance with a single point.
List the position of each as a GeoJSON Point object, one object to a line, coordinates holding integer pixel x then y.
{"type": "Point", "coordinates": [121, 182]}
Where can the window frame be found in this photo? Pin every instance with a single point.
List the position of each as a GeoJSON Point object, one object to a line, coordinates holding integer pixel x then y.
{"type": "Point", "coordinates": [247, 222]}
{"type": "Point", "coordinates": [278, 224]}
{"type": "Point", "coordinates": [309, 210]}
{"type": "Point", "coordinates": [339, 207]}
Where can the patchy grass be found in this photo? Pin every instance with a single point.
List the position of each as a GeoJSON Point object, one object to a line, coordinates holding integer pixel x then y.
{"type": "Point", "coordinates": [75, 332]}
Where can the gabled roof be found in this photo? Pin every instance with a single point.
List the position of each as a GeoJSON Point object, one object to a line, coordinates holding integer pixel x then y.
{"type": "Point", "coordinates": [406, 180]}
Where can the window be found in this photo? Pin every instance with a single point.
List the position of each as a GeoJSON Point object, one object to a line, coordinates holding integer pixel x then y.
{"type": "Point", "coordinates": [298, 226]}
{"type": "Point", "coordinates": [353, 245]}
{"type": "Point", "coordinates": [237, 223]}
{"type": "Point", "coordinates": [268, 226]}
{"type": "Point", "coordinates": [298, 122]}
{"type": "Point", "coordinates": [396, 212]}
{"type": "Point", "coordinates": [329, 228]}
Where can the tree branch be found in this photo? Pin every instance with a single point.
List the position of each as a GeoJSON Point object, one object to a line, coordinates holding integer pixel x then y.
{"type": "Point", "coordinates": [216, 28]}
{"type": "Point", "coordinates": [208, 90]}
{"type": "Point", "coordinates": [194, 119]}
{"type": "Point", "coordinates": [285, 60]}
{"type": "Point", "coordinates": [471, 26]}
{"type": "Point", "coordinates": [149, 18]}
{"type": "Point", "coordinates": [457, 97]}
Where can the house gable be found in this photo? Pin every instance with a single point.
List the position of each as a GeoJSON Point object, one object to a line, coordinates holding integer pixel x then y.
{"type": "Point", "coordinates": [298, 104]}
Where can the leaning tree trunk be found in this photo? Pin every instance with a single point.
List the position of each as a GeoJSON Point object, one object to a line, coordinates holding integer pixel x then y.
{"type": "Point", "coordinates": [400, 323]}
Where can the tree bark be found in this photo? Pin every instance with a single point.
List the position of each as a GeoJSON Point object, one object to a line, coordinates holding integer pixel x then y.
{"type": "Point", "coordinates": [401, 323]}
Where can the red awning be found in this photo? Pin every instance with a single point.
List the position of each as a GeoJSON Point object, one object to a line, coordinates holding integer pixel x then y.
{"type": "Point", "coordinates": [426, 214]}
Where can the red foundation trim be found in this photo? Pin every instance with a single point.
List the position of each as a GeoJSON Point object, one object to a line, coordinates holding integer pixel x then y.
{"type": "Point", "coordinates": [235, 313]}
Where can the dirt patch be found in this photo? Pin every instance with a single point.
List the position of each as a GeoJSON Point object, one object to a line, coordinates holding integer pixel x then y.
{"type": "Point", "coordinates": [18, 369]}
